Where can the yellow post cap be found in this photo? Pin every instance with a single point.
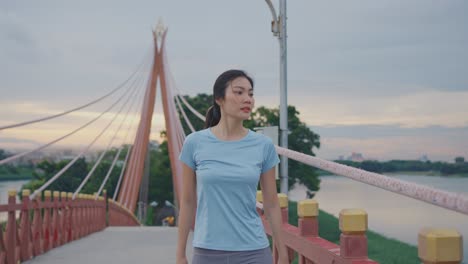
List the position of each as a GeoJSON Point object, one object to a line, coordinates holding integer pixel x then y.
{"type": "Point", "coordinates": [283, 200]}
{"type": "Point", "coordinates": [63, 194]}
{"type": "Point", "coordinates": [26, 192]}
{"type": "Point", "coordinates": [307, 208]}
{"type": "Point", "coordinates": [440, 245]}
{"type": "Point", "coordinates": [70, 195]}
{"type": "Point", "coordinates": [56, 194]}
{"type": "Point", "coordinates": [259, 197]}
{"type": "Point", "coordinates": [353, 220]}
{"type": "Point", "coordinates": [12, 192]}
{"type": "Point", "coordinates": [47, 193]}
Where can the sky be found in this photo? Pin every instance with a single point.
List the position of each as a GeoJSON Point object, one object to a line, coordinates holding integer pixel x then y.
{"type": "Point", "coordinates": [388, 79]}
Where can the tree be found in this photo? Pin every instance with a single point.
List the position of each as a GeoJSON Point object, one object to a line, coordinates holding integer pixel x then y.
{"type": "Point", "coordinates": [300, 139]}
{"type": "Point", "coordinates": [68, 182]}
{"type": "Point", "coordinates": [160, 182]}
{"type": "Point", "coordinates": [74, 176]}
{"type": "Point", "coordinates": [459, 160]}
{"type": "Point", "coordinates": [3, 154]}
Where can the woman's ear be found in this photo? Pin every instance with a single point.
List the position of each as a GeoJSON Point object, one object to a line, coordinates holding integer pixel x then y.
{"type": "Point", "coordinates": [219, 102]}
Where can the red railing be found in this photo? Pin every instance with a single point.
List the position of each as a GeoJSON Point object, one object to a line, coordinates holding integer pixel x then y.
{"type": "Point", "coordinates": [435, 245]}
{"type": "Point", "coordinates": [121, 216]}
{"type": "Point", "coordinates": [312, 249]}
{"type": "Point", "coordinates": [54, 221]}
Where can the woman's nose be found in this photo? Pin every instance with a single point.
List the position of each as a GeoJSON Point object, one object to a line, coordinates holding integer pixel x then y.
{"type": "Point", "coordinates": [248, 99]}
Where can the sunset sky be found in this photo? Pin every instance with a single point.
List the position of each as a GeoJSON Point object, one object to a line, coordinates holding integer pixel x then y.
{"type": "Point", "coordinates": [388, 79]}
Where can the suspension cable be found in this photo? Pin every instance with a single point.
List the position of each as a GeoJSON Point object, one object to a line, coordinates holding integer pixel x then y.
{"type": "Point", "coordinates": [56, 176]}
{"type": "Point", "coordinates": [108, 173]}
{"type": "Point", "coordinates": [90, 173]}
{"type": "Point", "coordinates": [195, 112]}
{"type": "Point", "coordinates": [187, 121]}
{"type": "Point", "coordinates": [19, 155]}
{"type": "Point", "coordinates": [127, 190]}
{"type": "Point", "coordinates": [116, 155]}
{"type": "Point", "coordinates": [79, 107]}
{"type": "Point", "coordinates": [121, 173]}
{"type": "Point", "coordinates": [191, 108]}
{"type": "Point", "coordinates": [129, 150]}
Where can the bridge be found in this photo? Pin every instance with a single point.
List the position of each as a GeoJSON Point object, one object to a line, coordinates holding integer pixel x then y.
{"type": "Point", "coordinates": [48, 226]}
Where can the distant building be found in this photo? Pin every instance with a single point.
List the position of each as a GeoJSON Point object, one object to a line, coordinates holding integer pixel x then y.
{"type": "Point", "coordinates": [153, 145]}
{"type": "Point", "coordinates": [424, 158]}
{"type": "Point", "coordinates": [341, 157]}
{"type": "Point", "coordinates": [356, 157]}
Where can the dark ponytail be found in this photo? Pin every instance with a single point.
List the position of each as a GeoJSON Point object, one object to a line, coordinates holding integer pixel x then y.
{"type": "Point", "coordinates": [213, 115]}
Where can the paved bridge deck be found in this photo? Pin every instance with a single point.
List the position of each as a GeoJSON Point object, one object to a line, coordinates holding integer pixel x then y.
{"type": "Point", "coordinates": [117, 245]}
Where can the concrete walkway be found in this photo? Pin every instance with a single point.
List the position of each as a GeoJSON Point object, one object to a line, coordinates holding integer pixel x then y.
{"type": "Point", "coordinates": [115, 245]}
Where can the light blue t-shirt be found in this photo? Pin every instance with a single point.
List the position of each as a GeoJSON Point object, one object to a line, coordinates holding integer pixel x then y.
{"type": "Point", "coordinates": [227, 174]}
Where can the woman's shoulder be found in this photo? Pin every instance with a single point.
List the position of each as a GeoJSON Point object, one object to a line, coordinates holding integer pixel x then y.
{"type": "Point", "coordinates": [261, 137]}
{"type": "Point", "coordinates": [197, 135]}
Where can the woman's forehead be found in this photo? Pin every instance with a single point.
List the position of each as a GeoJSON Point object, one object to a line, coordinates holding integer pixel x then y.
{"type": "Point", "coordinates": [242, 83]}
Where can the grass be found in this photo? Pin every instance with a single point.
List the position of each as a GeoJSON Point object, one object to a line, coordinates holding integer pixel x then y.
{"type": "Point", "coordinates": [380, 248]}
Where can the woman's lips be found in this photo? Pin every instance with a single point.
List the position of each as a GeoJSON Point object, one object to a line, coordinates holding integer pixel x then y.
{"type": "Point", "coordinates": [245, 109]}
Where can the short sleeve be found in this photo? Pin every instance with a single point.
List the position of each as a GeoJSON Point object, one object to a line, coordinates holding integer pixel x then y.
{"type": "Point", "coordinates": [270, 158]}
{"type": "Point", "coordinates": [187, 153]}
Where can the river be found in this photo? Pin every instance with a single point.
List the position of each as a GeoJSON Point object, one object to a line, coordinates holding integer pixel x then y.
{"type": "Point", "coordinates": [4, 187]}
{"type": "Point", "coordinates": [391, 214]}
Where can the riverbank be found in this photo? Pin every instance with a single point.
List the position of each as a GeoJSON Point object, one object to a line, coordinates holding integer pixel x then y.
{"type": "Point", "coordinates": [409, 173]}
{"type": "Point", "coordinates": [14, 177]}
{"type": "Point", "coordinates": [427, 173]}
{"type": "Point", "coordinates": [15, 173]}
{"type": "Point", "coordinates": [380, 248]}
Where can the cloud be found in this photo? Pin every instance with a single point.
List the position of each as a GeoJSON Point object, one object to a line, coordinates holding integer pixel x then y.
{"type": "Point", "coordinates": [4, 140]}
{"type": "Point", "coordinates": [386, 62]}
{"type": "Point", "coordinates": [411, 110]}
{"type": "Point", "coordinates": [385, 142]}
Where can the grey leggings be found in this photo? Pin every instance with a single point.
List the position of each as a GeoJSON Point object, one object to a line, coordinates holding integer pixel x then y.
{"type": "Point", "coordinates": [209, 256]}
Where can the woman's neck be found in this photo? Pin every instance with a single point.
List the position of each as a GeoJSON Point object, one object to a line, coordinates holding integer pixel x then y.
{"type": "Point", "coordinates": [229, 129]}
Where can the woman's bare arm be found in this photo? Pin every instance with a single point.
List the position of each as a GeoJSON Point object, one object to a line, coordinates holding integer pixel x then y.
{"type": "Point", "coordinates": [187, 211]}
{"type": "Point", "coordinates": [273, 211]}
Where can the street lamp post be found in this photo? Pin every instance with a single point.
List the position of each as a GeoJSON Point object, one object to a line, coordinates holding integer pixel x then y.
{"type": "Point", "coordinates": [278, 27]}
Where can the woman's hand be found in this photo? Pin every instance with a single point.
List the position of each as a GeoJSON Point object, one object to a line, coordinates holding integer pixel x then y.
{"type": "Point", "coordinates": [283, 259]}
{"type": "Point", "coordinates": [182, 260]}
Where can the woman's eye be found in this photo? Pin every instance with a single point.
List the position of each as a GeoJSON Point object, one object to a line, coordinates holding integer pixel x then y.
{"type": "Point", "coordinates": [251, 95]}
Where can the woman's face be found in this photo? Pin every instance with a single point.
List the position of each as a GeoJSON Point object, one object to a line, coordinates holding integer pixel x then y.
{"type": "Point", "coordinates": [238, 101]}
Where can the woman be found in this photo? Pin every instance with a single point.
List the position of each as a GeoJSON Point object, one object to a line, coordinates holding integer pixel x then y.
{"type": "Point", "coordinates": [222, 166]}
